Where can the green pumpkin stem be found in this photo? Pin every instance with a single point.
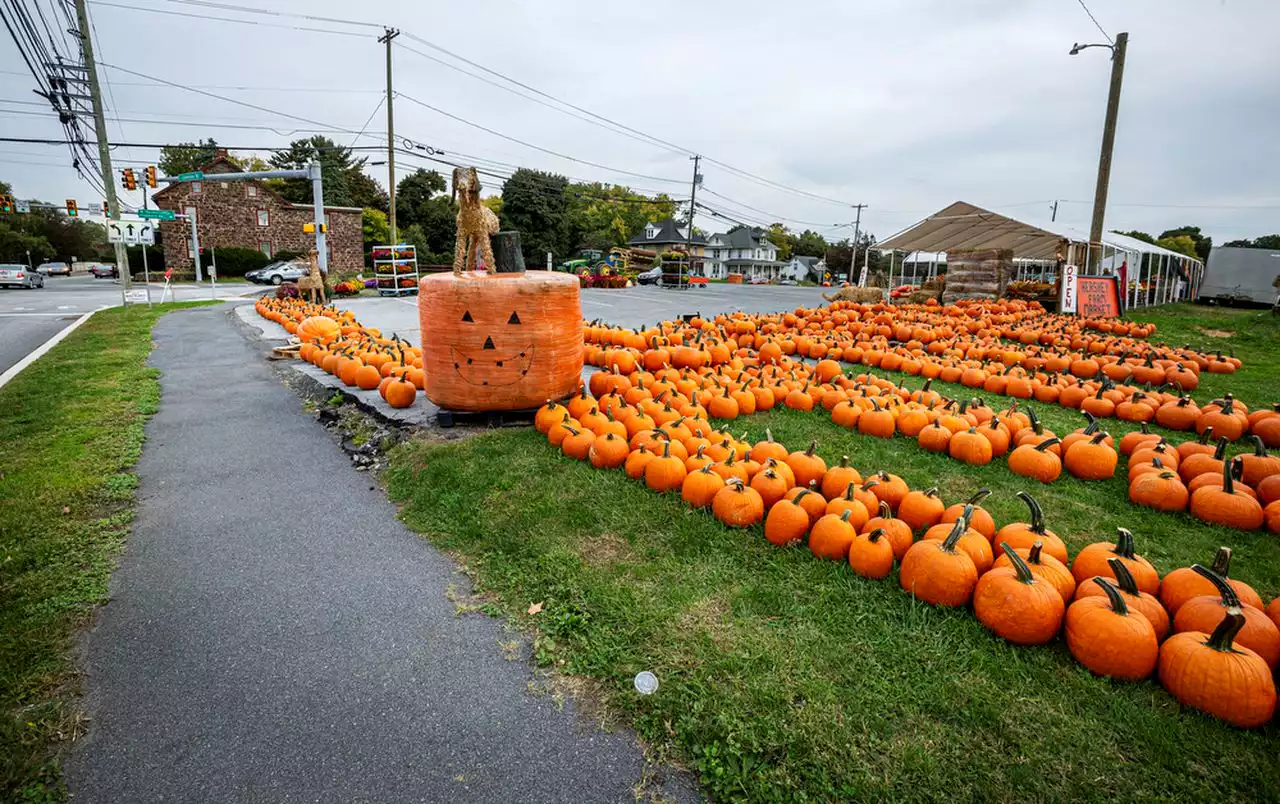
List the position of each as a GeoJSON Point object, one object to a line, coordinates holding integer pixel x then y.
{"type": "Point", "coordinates": [813, 445]}
{"type": "Point", "coordinates": [1259, 448]}
{"type": "Point", "coordinates": [874, 536]}
{"type": "Point", "coordinates": [953, 538]}
{"type": "Point", "coordinates": [1222, 562]}
{"type": "Point", "coordinates": [1048, 442]}
{"type": "Point", "coordinates": [800, 496]}
{"type": "Point", "coordinates": [978, 496]}
{"type": "Point", "coordinates": [1229, 597]}
{"type": "Point", "coordinates": [1020, 568]}
{"type": "Point", "coordinates": [1124, 544]}
{"type": "Point", "coordinates": [885, 511]}
{"type": "Point", "coordinates": [1037, 513]}
{"type": "Point", "coordinates": [1113, 594]}
{"type": "Point", "coordinates": [1033, 557]}
{"type": "Point", "coordinates": [1124, 578]}
{"type": "Point", "coordinates": [1224, 635]}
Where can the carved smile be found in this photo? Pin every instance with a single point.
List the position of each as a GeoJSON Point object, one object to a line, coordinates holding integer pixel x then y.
{"type": "Point", "coordinates": [488, 367]}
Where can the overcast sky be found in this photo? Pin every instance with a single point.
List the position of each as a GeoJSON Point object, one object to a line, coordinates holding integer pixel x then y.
{"type": "Point", "coordinates": [905, 106]}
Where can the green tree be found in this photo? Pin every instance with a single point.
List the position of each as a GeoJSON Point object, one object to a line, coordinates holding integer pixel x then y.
{"type": "Point", "coordinates": [784, 239]}
{"type": "Point", "coordinates": [345, 184]}
{"type": "Point", "coordinates": [1183, 244]}
{"type": "Point", "coordinates": [1201, 242]}
{"type": "Point", "coordinates": [1136, 235]}
{"type": "Point", "coordinates": [376, 230]}
{"type": "Point", "coordinates": [494, 203]}
{"type": "Point", "coordinates": [186, 157]}
{"type": "Point", "coordinates": [810, 244]}
{"type": "Point", "coordinates": [535, 204]}
{"type": "Point", "coordinates": [601, 216]}
{"type": "Point", "coordinates": [1271, 241]}
{"type": "Point", "coordinates": [49, 236]}
{"type": "Point", "coordinates": [422, 200]}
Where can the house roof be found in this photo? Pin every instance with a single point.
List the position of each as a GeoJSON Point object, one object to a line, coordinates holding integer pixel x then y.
{"type": "Point", "coordinates": [743, 237]}
{"type": "Point", "coordinates": [668, 232]}
{"type": "Point", "coordinates": [808, 261]}
{"type": "Point", "coordinates": [965, 226]}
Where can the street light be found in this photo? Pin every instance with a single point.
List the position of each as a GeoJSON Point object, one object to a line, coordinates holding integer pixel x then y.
{"type": "Point", "coordinates": [1108, 133]}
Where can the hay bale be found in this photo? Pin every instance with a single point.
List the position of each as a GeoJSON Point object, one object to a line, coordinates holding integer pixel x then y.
{"type": "Point", "coordinates": [977, 274]}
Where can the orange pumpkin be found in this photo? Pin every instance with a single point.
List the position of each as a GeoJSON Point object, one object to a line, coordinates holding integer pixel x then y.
{"type": "Point", "coordinates": [500, 341]}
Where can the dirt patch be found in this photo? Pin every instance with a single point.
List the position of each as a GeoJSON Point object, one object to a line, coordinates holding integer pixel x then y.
{"type": "Point", "coordinates": [1217, 333]}
{"type": "Point", "coordinates": [709, 615]}
{"type": "Point", "coordinates": [605, 550]}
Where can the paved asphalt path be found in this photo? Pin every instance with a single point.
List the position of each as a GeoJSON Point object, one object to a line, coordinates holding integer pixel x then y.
{"type": "Point", "coordinates": [276, 634]}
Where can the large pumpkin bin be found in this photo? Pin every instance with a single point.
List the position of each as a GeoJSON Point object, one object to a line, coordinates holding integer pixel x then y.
{"type": "Point", "coordinates": [500, 341]}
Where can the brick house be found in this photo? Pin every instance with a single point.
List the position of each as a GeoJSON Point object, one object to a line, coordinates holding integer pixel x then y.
{"type": "Point", "coordinates": [245, 214]}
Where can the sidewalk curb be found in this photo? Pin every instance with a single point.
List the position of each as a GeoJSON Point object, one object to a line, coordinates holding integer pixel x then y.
{"type": "Point", "coordinates": [40, 350]}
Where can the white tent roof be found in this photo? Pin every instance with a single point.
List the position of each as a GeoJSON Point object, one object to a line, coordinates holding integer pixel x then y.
{"type": "Point", "coordinates": [965, 226]}
{"type": "Point", "coordinates": [925, 257]}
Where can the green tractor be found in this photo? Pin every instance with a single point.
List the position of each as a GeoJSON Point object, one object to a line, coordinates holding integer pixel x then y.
{"type": "Point", "coordinates": [588, 259]}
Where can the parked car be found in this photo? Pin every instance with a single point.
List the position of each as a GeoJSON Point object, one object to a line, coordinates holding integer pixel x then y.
{"type": "Point", "coordinates": [18, 275]}
{"type": "Point", "coordinates": [788, 282]}
{"type": "Point", "coordinates": [649, 277]}
{"type": "Point", "coordinates": [278, 272]}
{"type": "Point", "coordinates": [759, 280]}
{"type": "Point", "coordinates": [52, 268]}
{"type": "Point", "coordinates": [101, 270]}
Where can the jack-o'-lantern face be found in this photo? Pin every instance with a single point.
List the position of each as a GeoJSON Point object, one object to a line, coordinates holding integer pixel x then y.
{"type": "Point", "coordinates": [500, 356]}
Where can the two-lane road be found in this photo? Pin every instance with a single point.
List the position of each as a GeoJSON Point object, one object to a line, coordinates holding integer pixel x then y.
{"type": "Point", "coordinates": [28, 318]}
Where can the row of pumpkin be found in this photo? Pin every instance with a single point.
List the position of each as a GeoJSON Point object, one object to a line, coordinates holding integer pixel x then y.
{"type": "Point", "coordinates": [1207, 636]}
{"type": "Point", "coordinates": [1112, 376]}
{"type": "Point", "coordinates": [358, 356]}
{"type": "Point", "coordinates": [970, 431]}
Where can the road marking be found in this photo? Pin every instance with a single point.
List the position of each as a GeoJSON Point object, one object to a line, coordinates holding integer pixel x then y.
{"type": "Point", "coordinates": [39, 351]}
{"type": "Point", "coordinates": [32, 315]}
{"type": "Point", "coordinates": [67, 306]}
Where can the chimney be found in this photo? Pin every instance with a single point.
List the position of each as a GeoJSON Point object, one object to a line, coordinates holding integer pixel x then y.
{"type": "Point", "coordinates": [221, 153]}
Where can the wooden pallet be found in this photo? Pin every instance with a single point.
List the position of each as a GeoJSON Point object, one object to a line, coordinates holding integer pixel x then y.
{"type": "Point", "coordinates": [485, 418]}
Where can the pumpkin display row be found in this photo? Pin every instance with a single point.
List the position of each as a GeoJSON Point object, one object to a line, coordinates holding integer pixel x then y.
{"type": "Point", "coordinates": [1133, 385]}
{"type": "Point", "coordinates": [1205, 635]}
{"type": "Point", "coordinates": [359, 356]}
{"type": "Point", "coordinates": [968, 431]}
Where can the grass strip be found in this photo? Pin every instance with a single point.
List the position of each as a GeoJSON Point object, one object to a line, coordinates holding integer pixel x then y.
{"type": "Point", "coordinates": [72, 429]}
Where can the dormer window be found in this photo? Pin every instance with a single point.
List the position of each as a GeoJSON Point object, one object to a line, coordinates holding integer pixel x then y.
{"type": "Point", "coordinates": [650, 231]}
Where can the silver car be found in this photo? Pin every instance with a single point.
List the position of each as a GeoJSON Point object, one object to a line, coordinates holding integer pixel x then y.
{"type": "Point", "coordinates": [279, 272]}
{"type": "Point", "coordinates": [51, 268]}
{"type": "Point", "coordinates": [20, 276]}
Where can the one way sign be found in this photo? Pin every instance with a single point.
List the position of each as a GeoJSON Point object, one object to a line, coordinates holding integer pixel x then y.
{"type": "Point", "coordinates": [131, 232]}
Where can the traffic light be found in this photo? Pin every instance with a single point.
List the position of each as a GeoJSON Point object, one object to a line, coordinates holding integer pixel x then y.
{"type": "Point", "coordinates": [6, 204]}
{"type": "Point", "coordinates": [130, 183]}
{"type": "Point", "coordinates": [151, 176]}
{"type": "Point", "coordinates": [72, 210]}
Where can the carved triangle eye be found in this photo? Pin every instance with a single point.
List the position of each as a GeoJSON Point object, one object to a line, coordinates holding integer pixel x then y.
{"type": "Point", "coordinates": [514, 319]}
{"type": "Point", "coordinates": [467, 317]}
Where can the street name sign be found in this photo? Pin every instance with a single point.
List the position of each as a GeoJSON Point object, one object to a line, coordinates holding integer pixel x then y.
{"type": "Point", "coordinates": [157, 214]}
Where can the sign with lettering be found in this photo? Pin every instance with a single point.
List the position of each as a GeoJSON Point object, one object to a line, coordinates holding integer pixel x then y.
{"type": "Point", "coordinates": [1070, 275]}
{"type": "Point", "coordinates": [1100, 297]}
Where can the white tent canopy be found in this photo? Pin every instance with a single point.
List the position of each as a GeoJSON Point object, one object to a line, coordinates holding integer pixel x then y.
{"type": "Point", "coordinates": [1152, 271]}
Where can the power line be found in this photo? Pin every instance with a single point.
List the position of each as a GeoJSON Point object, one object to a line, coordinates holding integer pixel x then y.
{"type": "Point", "coordinates": [283, 14]}
{"type": "Point", "coordinates": [256, 23]}
{"type": "Point", "coordinates": [557, 154]}
{"type": "Point", "coordinates": [1095, 21]}
{"type": "Point", "coordinates": [360, 133]}
{"type": "Point", "coordinates": [225, 98]}
{"type": "Point", "coordinates": [773, 217]}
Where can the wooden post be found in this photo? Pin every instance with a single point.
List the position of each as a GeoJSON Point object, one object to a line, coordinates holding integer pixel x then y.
{"type": "Point", "coordinates": [507, 256]}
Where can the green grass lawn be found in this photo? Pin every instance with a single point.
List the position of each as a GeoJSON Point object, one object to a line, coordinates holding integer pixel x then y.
{"type": "Point", "coordinates": [72, 427]}
{"type": "Point", "coordinates": [784, 677]}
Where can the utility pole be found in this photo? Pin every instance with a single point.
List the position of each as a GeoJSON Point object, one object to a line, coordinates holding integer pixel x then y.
{"type": "Point", "coordinates": [391, 136]}
{"type": "Point", "coordinates": [1054, 216]}
{"type": "Point", "coordinates": [693, 206]}
{"type": "Point", "coordinates": [1108, 140]}
{"type": "Point", "coordinates": [853, 253]}
{"type": "Point", "coordinates": [104, 152]}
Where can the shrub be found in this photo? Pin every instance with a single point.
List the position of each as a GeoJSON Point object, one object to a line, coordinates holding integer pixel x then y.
{"type": "Point", "coordinates": [237, 261]}
{"type": "Point", "coordinates": [288, 290]}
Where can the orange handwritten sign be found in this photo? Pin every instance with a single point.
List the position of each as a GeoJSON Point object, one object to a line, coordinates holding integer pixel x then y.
{"type": "Point", "coordinates": [1099, 297]}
